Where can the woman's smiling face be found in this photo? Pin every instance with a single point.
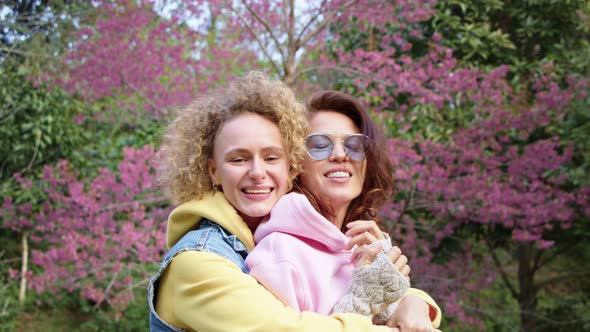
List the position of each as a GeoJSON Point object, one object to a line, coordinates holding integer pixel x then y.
{"type": "Point", "coordinates": [338, 179]}
{"type": "Point", "coordinates": [251, 165]}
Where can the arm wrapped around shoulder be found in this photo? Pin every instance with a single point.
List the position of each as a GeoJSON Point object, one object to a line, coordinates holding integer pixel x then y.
{"type": "Point", "coordinates": [373, 288]}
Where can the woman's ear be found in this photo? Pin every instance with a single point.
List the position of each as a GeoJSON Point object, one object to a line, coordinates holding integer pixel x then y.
{"type": "Point", "coordinates": [212, 170]}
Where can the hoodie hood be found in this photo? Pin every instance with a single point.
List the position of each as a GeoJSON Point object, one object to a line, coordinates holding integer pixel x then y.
{"type": "Point", "coordinates": [212, 206]}
{"type": "Point", "coordinates": [293, 214]}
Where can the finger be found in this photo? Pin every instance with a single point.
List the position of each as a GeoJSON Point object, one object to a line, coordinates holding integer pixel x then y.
{"type": "Point", "coordinates": [360, 222]}
{"type": "Point", "coordinates": [368, 256]}
{"type": "Point", "coordinates": [393, 324]}
{"type": "Point", "coordinates": [358, 251]}
{"type": "Point", "coordinates": [365, 226]}
{"type": "Point", "coordinates": [400, 262]}
{"type": "Point", "coordinates": [361, 226]}
{"type": "Point", "coordinates": [394, 254]}
{"type": "Point", "coordinates": [358, 229]}
{"type": "Point", "coordinates": [363, 238]}
{"type": "Point", "coordinates": [405, 270]}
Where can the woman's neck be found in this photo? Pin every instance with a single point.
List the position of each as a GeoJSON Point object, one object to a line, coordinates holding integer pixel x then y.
{"type": "Point", "coordinates": [340, 213]}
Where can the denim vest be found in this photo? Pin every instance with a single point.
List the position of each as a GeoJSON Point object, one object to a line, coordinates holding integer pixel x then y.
{"type": "Point", "coordinates": [209, 237]}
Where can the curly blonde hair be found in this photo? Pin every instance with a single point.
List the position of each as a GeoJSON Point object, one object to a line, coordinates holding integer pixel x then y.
{"type": "Point", "coordinates": [189, 139]}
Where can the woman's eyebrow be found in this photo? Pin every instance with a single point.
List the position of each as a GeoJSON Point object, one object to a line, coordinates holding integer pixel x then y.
{"type": "Point", "coordinates": [274, 149]}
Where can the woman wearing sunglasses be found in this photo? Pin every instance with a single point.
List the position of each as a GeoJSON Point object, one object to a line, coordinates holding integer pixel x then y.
{"type": "Point", "coordinates": [308, 251]}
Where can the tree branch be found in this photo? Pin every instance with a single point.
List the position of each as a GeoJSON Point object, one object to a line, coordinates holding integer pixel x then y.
{"type": "Point", "coordinates": [6, 113]}
{"type": "Point", "coordinates": [24, 268]}
{"type": "Point", "coordinates": [12, 49]}
{"type": "Point", "coordinates": [32, 162]}
{"type": "Point", "coordinates": [292, 45]}
{"type": "Point", "coordinates": [329, 18]}
{"type": "Point", "coordinates": [503, 273]}
{"type": "Point", "coordinates": [536, 261]}
{"type": "Point", "coordinates": [311, 20]}
{"type": "Point", "coordinates": [142, 95]}
{"type": "Point", "coordinates": [142, 201]}
{"type": "Point", "coordinates": [405, 206]}
{"type": "Point", "coordinates": [355, 72]}
{"type": "Point", "coordinates": [249, 27]}
{"type": "Point", "coordinates": [285, 23]}
{"type": "Point", "coordinates": [562, 277]}
{"type": "Point", "coordinates": [107, 289]}
{"type": "Point", "coordinates": [266, 26]}
{"type": "Point", "coordinates": [555, 254]}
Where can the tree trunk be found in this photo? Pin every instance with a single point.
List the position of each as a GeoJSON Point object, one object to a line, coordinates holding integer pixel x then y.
{"type": "Point", "coordinates": [527, 298]}
{"type": "Point", "coordinates": [24, 268]}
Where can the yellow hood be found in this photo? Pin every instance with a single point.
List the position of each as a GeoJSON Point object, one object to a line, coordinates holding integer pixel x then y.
{"type": "Point", "coordinates": [212, 206]}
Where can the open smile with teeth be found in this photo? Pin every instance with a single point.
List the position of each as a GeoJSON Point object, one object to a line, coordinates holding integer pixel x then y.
{"type": "Point", "coordinates": [257, 191]}
{"type": "Point", "coordinates": [338, 174]}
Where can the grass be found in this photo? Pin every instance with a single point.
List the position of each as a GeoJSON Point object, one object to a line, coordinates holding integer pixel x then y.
{"type": "Point", "coordinates": [52, 320]}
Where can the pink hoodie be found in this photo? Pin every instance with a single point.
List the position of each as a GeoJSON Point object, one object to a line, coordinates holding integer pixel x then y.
{"type": "Point", "coordinates": [300, 256]}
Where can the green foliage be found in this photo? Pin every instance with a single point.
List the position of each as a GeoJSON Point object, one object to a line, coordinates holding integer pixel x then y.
{"type": "Point", "coordinates": [577, 131]}
{"type": "Point", "coordinates": [523, 34]}
{"type": "Point", "coordinates": [34, 32]}
{"type": "Point", "coordinates": [503, 310]}
{"type": "Point", "coordinates": [36, 124]}
{"type": "Point", "coordinates": [105, 149]}
{"type": "Point", "coordinates": [67, 317]}
{"type": "Point", "coordinates": [63, 316]}
{"type": "Point", "coordinates": [428, 122]}
{"type": "Point", "coordinates": [469, 32]}
{"type": "Point", "coordinates": [36, 121]}
{"type": "Point", "coordinates": [564, 303]}
{"type": "Point", "coordinates": [71, 313]}
{"type": "Point", "coordinates": [9, 307]}
{"type": "Point", "coordinates": [37, 128]}
{"type": "Point", "coordinates": [569, 310]}
{"type": "Point", "coordinates": [134, 318]}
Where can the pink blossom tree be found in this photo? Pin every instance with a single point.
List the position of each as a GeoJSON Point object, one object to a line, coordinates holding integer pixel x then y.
{"type": "Point", "coordinates": [94, 238]}
{"type": "Point", "coordinates": [136, 63]}
{"type": "Point", "coordinates": [495, 180]}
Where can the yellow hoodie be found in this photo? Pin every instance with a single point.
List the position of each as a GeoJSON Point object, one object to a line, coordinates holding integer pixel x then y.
{"type": "Point", "coordinates": [202, 291]}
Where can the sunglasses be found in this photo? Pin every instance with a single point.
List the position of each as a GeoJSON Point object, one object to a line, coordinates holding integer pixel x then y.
{"type": "Point", "coordinates": [320, 146]}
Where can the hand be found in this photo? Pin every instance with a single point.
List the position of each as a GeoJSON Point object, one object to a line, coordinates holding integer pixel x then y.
{"type": "Point", "coordinates": [368, 255]}
{"type": "Point", "coordinates": [411, 315]}
{"type": "Point", "coordinates": [363, 232]}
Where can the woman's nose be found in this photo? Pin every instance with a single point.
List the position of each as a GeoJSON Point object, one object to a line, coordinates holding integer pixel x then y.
{"type": "Point", "coordinates": [257, 170]}
{"type": "Point", "coordinates": [338, 153]}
